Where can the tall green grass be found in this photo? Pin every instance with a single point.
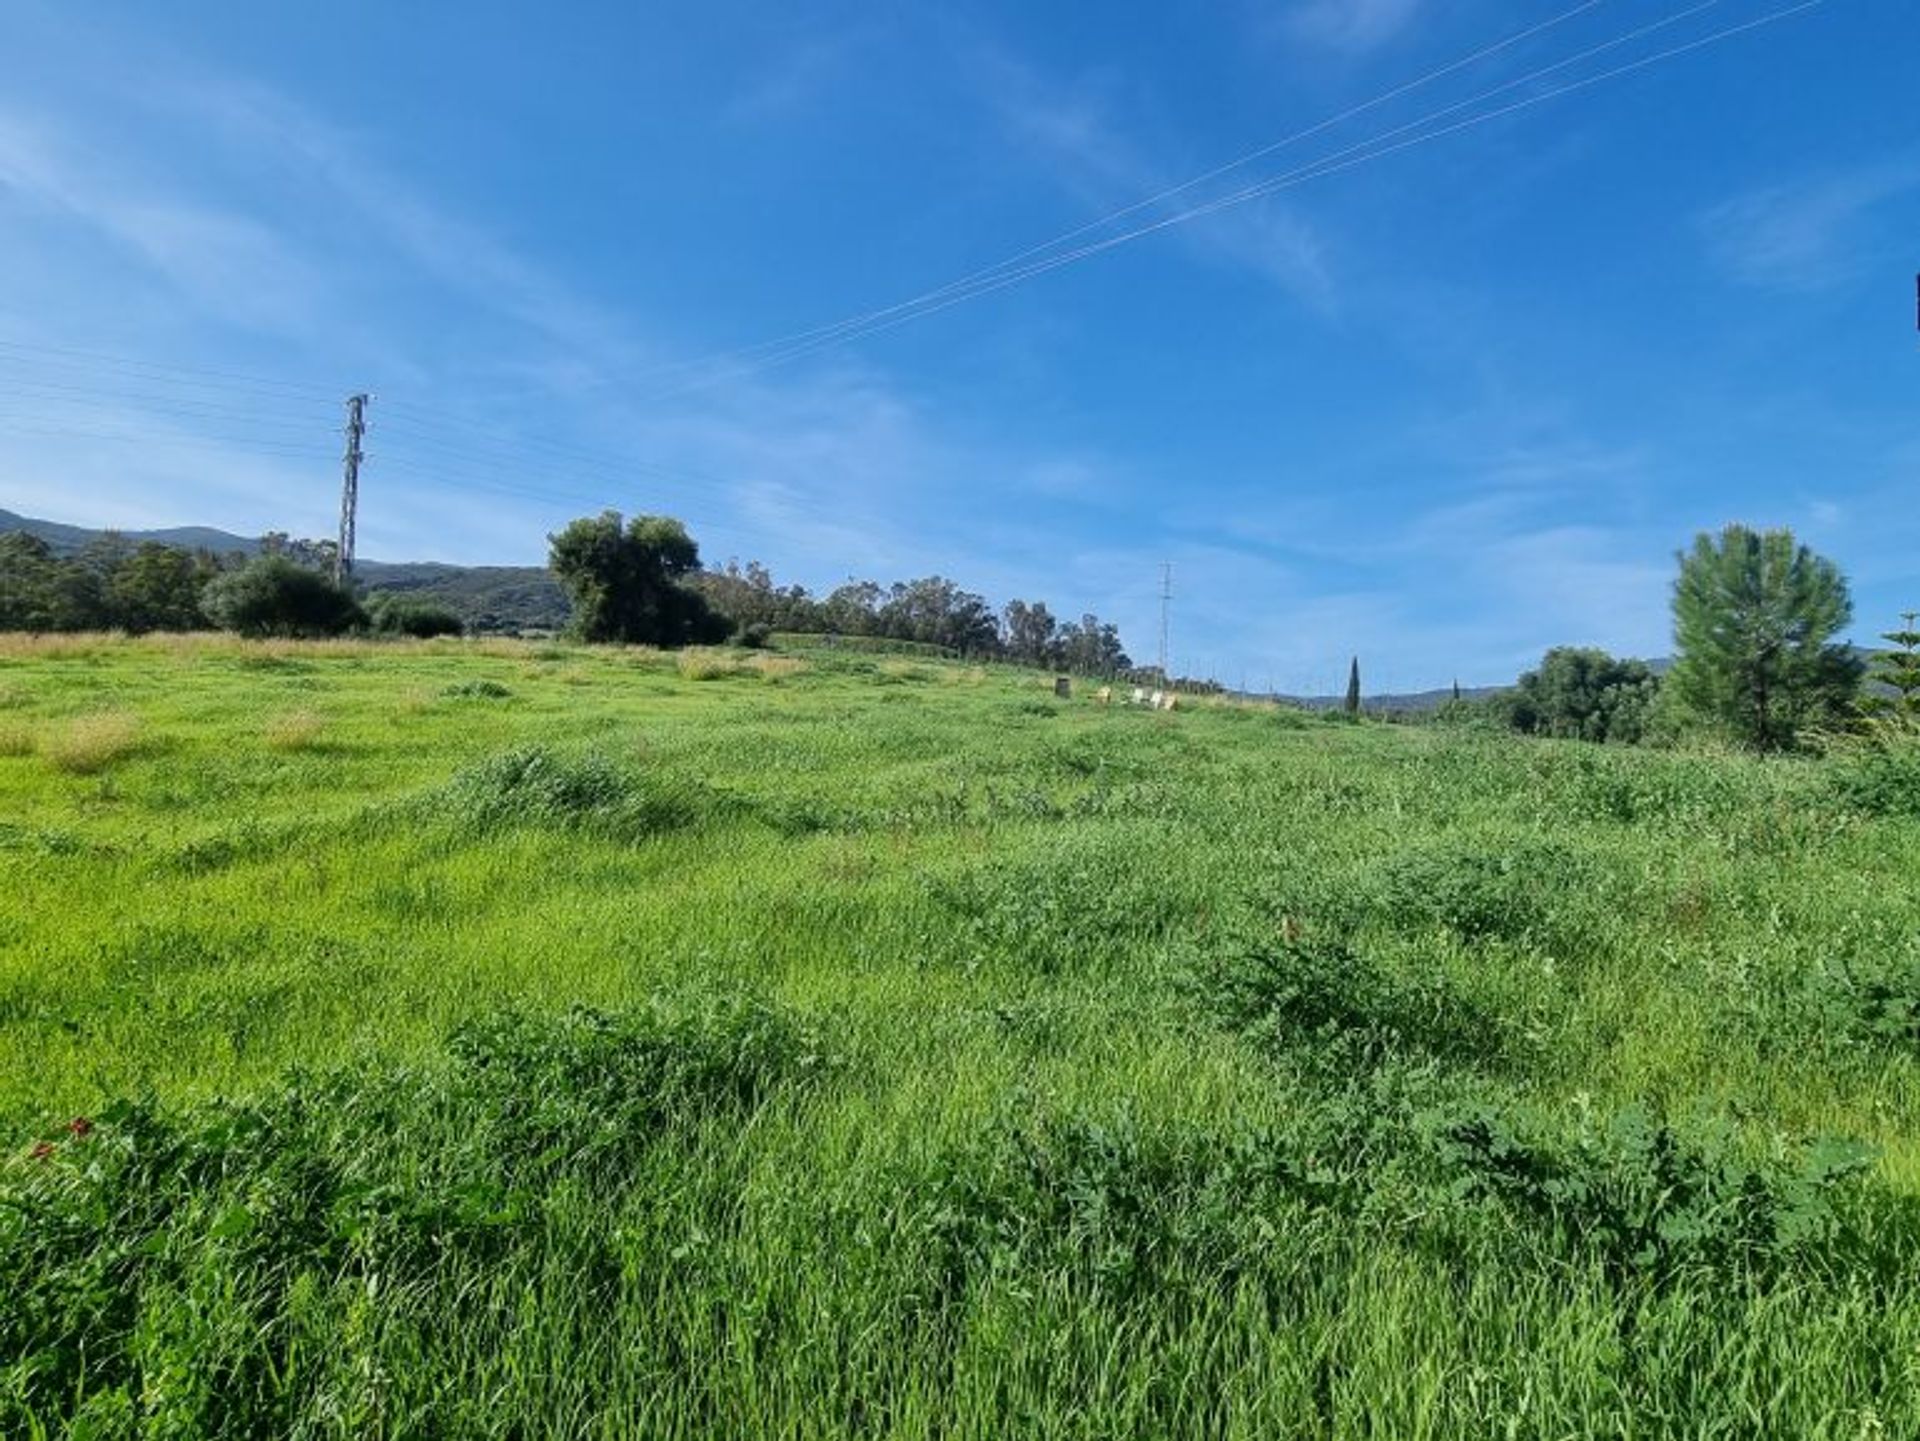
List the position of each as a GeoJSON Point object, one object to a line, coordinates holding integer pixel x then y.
{"type": "Point", "coordinates": [555, 1042]}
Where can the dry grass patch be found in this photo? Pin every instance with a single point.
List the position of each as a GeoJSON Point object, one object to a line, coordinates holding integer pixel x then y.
{"type": "Point", "coordinates": [78, 645]}
{"type": "Point", "coordinates": [294, 730]}
{"type": "Point", "coordinates": [90, 743]}
{"type": "Point", "coordinates": [778, 667]}
{"type": "Point", "coordinates": [16, 740]}
{"type": "Point", "coordinates": [709, 665]}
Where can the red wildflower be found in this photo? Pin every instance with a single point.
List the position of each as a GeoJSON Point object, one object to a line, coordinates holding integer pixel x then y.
{"type": "Point", "coordinates": [80, 1125]}
{"type": "Point", "coordinates": [42, 1150]}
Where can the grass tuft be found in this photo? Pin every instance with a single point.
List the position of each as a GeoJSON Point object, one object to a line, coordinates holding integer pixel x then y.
{"type": "Point", "coordinates": [90, 743]}
{"type": "Point", "coordinates": [294, 730]}
{"type": "Point", "coordinates": [534, 786]}
{"type": "Point", "coordinates": [476, 690]}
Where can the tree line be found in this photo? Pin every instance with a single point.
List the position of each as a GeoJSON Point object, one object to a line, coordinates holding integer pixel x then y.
{"type": "Point", "coordinates": [640, 581]}
{"type": "Point", "coordinates": [110, 584]}
{"type": "Point", "coordinates": [1756, 615]}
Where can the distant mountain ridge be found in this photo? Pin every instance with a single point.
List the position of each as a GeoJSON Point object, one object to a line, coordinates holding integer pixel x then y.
{"type": "Point", "coordinates": [486, 597]}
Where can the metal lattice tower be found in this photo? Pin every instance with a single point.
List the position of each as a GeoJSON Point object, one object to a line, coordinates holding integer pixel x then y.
{"type": "Point", "coordinates": [350, 487]}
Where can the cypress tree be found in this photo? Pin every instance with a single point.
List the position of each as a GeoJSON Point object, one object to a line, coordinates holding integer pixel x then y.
{"type": "Point", "coordinates": [1353, 687]}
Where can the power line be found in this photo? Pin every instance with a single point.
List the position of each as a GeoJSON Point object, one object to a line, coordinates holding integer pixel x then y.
{"type": "Point", "coordinates": [833, 329]}
{"type": "Point", "coordinates": [1350, 157]}
{"type": "Point", "coordinates": [228, 378]}
{"type": "Point", "coordinates": [154, 405]}
{"type": "Point", "coordinates": [148, 439]}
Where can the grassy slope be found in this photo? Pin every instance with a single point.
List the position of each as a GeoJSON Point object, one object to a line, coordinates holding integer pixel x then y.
{"type": "Point", "coordinates": [1017, 1200]}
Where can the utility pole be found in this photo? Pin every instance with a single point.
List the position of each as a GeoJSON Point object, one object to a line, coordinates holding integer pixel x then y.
{"type": "Point", "coordinates": [350, 488]}
{"type": "Point", "coordinates": [1166, 600]}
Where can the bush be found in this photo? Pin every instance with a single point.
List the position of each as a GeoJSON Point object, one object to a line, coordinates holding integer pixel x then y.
{"type": "Point", "coordinates": [271, 596]}
{"type": "Point", "coordinates": [400, 615]}
{"type": "Point", "coordinates": [1585, 694]}
{"type": "Point", "coordinates": [757, 636]}
{"type": "Point", "coordinates": [1876, 1000]}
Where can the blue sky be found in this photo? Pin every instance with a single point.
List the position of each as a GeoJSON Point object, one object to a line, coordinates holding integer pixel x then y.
{"type": "Point", "coordinates": [1443, 407]}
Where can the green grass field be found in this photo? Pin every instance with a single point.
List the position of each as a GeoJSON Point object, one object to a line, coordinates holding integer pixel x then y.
{"type": "Point", "coordinates": [502, 1040]}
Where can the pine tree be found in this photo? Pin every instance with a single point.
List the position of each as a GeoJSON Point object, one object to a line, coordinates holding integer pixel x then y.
{"type": "Point", "coordinates": [1353, 687]}
{"type": "Point", "coordinates": [1754, 616]}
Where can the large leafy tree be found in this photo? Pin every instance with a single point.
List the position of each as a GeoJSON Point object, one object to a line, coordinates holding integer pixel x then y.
{"type": "Point", "coordinates": [626, 581]}
{"type": "Point", "coordinates": [935, 611]}
{"type": "Point", "coordinates": [1031, 632]}
{"type": "Point", "coordinates": [160, 587]}
{"type": "Point", "coordinates": [43, 591]}
{"type": "Point", "coordinates": [1754, 619]}
{"type": "Point", "coordinates": [1585, 694]}
{"type": "Point", "coordinates": [1091, 646]}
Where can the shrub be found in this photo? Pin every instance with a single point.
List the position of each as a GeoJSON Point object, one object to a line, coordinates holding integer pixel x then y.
{"type": "Point", "coordinates": [391, 614]}
{"type": "Point", "coordinates": [272, 596]}
{"type": "Point", "coordinates": [756, 636]}
{"type": "Point", "coordinates": [1876, 1000]}
{"type": "Point", "coordinates": [1585, 694]}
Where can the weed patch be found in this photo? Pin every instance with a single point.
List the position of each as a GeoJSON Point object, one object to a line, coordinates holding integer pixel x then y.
{"type": "Point", "coordinates": [1078, 907]}
{"type": "Point", "coordinates": [1881, 777]}
{"type": "Point", "coordinates": [176, 1266]}
{"type": "Point", "coordinates": [476, 690]}
{"type": "Point", "coordinates": [1649, 1201]}
{"type": "Point", "coordinates": [1524, 893]}
{"type": "Point", "coordinates": [1288, 991]}
{"type": "Point", "coordinates": [533, 786]}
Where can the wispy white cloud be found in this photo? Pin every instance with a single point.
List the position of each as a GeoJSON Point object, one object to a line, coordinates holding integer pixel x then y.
{"type": "Point", "coordinates": [1352, 26]}
{"type": "Point", "coordinates": [802, 73]}
{"type": "Point", "coordinates": [1811, 234]}
{"type": "Point", "coordinates": [1071, 130]}
{"type": "Point", "coordinates": [221, 259]}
